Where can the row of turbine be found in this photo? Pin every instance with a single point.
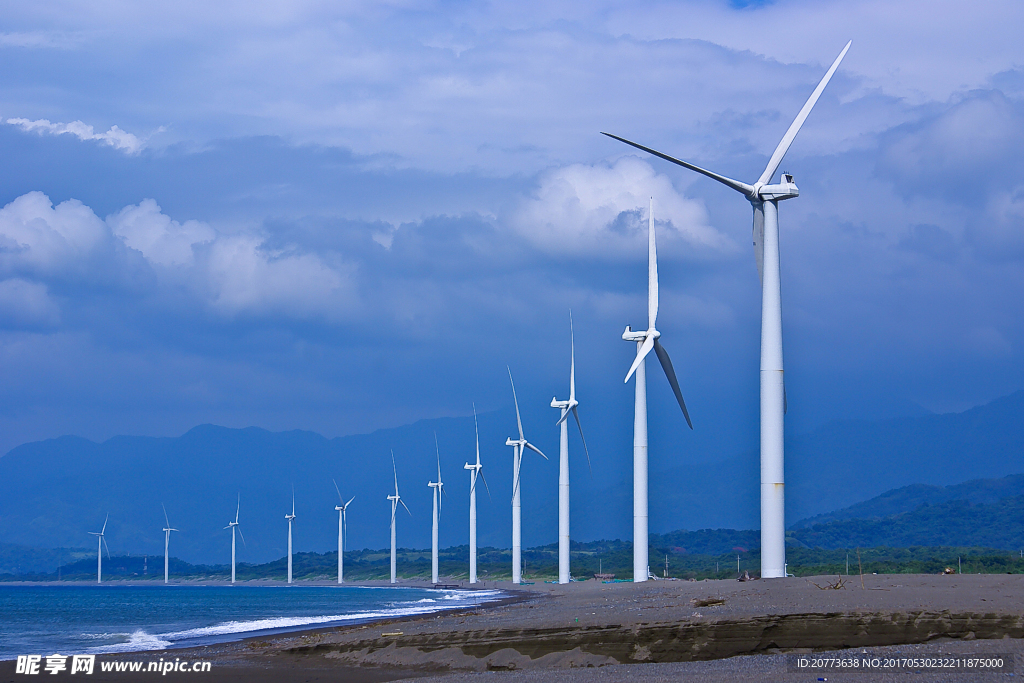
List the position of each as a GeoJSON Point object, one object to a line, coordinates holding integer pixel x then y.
{"type": "Point", "coordinates": [764, 198]}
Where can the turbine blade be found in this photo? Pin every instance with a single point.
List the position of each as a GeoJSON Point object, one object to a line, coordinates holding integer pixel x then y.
{"type": "Point", "coordinates": [394, 508]}
{"type": "Point", "coordinates": [729, 182]}
{"type": "Point", "coordinates": [759, 239]}
{"type": "Point", "coordinates": [107, 547]}
{"type": "Point", "coordinates": [785, 399]}
{"type": "Point", "coordinates": [515, 487]}
{"type": "Point", "coordinates": [519, 420]}
{"type": "Point", "coordinates": [585, 449]}
{"type": "Point", "coordinates": [105, 524]}
{"type": "Point", "coordinates": [794, 128]}
{"type": "Point", "coordinates": [405, 506]}
{"type": "Point", "coordinates": [486, 487]}
{"type": "Point", "coordinates": [240, 534]}
{"type": "Point", "coordinates": [562, 419]}
{"type": "Point", "coordinates": [238, 507]}
{"type": "Point", "coordinates": [350, 501]}
{"type": "Point", "coordinates": [395, 469]}
{"type": "Point", "coordinates": [293, 500]}
{"type": "Point", "coordinates": [476, 426]}
{"type": "Point", "coordinates": [644, 350]}
{"type": "Point", "coordinates": [165, 514]}
{"type": "Point", "coordinates": [438, 450]}
{"type": "Point", "coordinates": [666, 365]}
{"type": "Point", "coordinates": [535, 450]}
{"type": "Point", "coordinates": [652, 271]}
{"type": "Point", "coordinates": [340, 499]}
{"type": "Point", "coordinates": [572, 363]}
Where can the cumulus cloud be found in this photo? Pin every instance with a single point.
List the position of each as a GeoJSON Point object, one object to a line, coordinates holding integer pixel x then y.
{"type": "Point", "coordinates": [602, 210]}
{"type": "Point", "coordinates": [115, 137]}
{"type": "Point", "coordinates": [234, 273]}
{"type": "Point", "coordinates": [145, 227]}
{"type": "Point", "coordinates": [39, 238]}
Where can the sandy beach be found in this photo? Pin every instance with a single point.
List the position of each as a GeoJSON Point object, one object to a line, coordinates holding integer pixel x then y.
{"type": "Point", "coordinates": [660, 630]}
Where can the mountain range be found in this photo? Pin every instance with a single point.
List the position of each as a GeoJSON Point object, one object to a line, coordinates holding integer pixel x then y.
{"type": "Point", "coordinates": [53, 492]}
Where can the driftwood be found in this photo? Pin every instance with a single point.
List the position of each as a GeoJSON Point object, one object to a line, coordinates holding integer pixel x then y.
{"type": "Point", "coordinates": [838, 584]}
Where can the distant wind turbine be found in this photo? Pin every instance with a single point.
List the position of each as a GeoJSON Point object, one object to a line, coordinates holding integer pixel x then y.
{"type": "Point", "coordinates": [764, 199]}
{"type": "Point", "coordinates": [645, 341]}
{"type": "Point", "coordinates": [101, 543]}
{"type": "Point", "coordinates": [233, 526]}
{"type": "Point", "coordinates": [395, 500]}
{"type": "Point", "coordinates": [290, 519]}
{"type": "Point", "coordinates": [167, 541]}
{"type": "Point", "coordinates": [475, 471]}
{"type": "Point", "coordinates": [438, 489]}
{"type": "Point", "coordinates": [342, 531]}
{"type": "Point", "coordinates": [566, 407]}
{"type": "Point", "coordinates": [518, 445]}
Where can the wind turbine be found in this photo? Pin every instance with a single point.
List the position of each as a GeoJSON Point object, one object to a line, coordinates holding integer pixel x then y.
{"type": "Point", "coordinates": [290, 519]}
{"type": "Point", "coordinates": [395, 500]}
{"type": "Point", "coordinates": [342, 531]}
{"type": "Point", "coordinates": [234, 525]}
{"type": "Point", "coordinates": [765, 198]}
{"type": "Point", "coordinates": [563, 461]}
{"type": "Point", "coordinates": [438, 489]}
{"type": "Point", "coordinates": [474, 472]}
{"type": "Point", "coordinates": [101, 543]}
{"type": "Point", "coordinates": [645, 341]}
{"type": "Point", "coordinates": [167, 540]}
{"type": "Point", "coordinates": [518, 445]}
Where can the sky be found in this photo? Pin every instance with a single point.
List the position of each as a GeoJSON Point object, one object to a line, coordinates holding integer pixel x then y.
{"type": "Point", "coordinates": [346, 216]}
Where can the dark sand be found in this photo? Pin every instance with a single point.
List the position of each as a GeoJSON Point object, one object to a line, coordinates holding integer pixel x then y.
{"type": "Point", "coordinates": [657, 631]}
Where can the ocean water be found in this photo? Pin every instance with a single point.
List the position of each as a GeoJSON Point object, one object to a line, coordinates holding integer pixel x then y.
{"type": "Point", "coordinates": [91, 619]}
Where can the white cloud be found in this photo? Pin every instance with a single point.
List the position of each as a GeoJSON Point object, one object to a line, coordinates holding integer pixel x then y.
{"type": "Point", "coordinates": [145, 227]}
{"type": "Point", "coordinates": [38, 237]}
{"type": "Point", "coordinates": [243, 277]}
{"type": "Point", "coordinates": [602, 210]}
{"type": "Point", "coordinates": [229, 274]}
{"type": "Point", "coordinates": [115, 137]}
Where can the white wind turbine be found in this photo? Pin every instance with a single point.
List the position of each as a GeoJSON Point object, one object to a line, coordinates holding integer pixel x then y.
{"type": "Point", "coordinates": [290, 519]}
{"type": "Point", "coordinates": [167, 541]}
{"type": "Point", "coordinates": [101, 543]}
{"type": "Point", "coordinates": [342, 531]}
{"type": "Point", "coordinates": [765, 198]}
{"type": "Point", "coordinates": [518, 445]}
{"type": "Point", "coordinates": [233, 526]}
{"type": "Point", "coordinates": [438, 489]}
{"type": "Point", "coordinates": [395, 500]}
{"type": "Point", "coordinates": [474, 472]}
{"type": "Point", "coordinates": [645, 341]}
{"type": "Point", "coordinates": [563, 461]}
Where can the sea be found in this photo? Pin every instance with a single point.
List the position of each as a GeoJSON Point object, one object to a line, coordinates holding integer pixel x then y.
{"type": "Point", "coordinates": [97, 619]}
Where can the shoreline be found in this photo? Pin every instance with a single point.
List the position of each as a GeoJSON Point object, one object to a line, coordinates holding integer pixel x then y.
{"type": "Point", "coordinates": [548, 631]}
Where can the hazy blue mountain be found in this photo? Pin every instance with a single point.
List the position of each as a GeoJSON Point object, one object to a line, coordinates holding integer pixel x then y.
{"type": "Point", "coordinates": [53, 492]}
{"type": "Point", "coordinates": [909, 498]}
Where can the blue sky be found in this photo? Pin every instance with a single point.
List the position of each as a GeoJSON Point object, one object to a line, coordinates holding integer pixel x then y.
{"type": "Point", "coordinates": [347, 216]}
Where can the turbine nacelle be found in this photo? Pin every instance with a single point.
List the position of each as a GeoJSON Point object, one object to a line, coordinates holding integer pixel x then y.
{"type": "Point", "coordinates": [639, 335]}
{"type": "Point", "coordinates": [787, 189]}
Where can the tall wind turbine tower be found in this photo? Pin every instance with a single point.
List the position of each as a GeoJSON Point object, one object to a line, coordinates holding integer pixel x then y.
{"type": "Point", "coordinates": [395, 500]}
{"type": "Point", "coordinates": [290, 519]}
{"type": "Point", "coordinates": [475, 471]}
{"type": "Point", "coordinates": [764, 198]}
{"type": "Point", "coordinates": [519, 445]}
{"type": "Point", "coordinates": [167, 541]}
{"type": "Point", "coordinates": [342, 531]}
{"type": "Point", "coordinates": [437, 488]}
{"type": "Point", "coordinates": [645, 341]}
{"type": "Point", "coordinates": [563, 461]}
{"type": "Point", "coordinates": [233, 526]}
{"type": "Point", "coordinates": [101, 542]}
